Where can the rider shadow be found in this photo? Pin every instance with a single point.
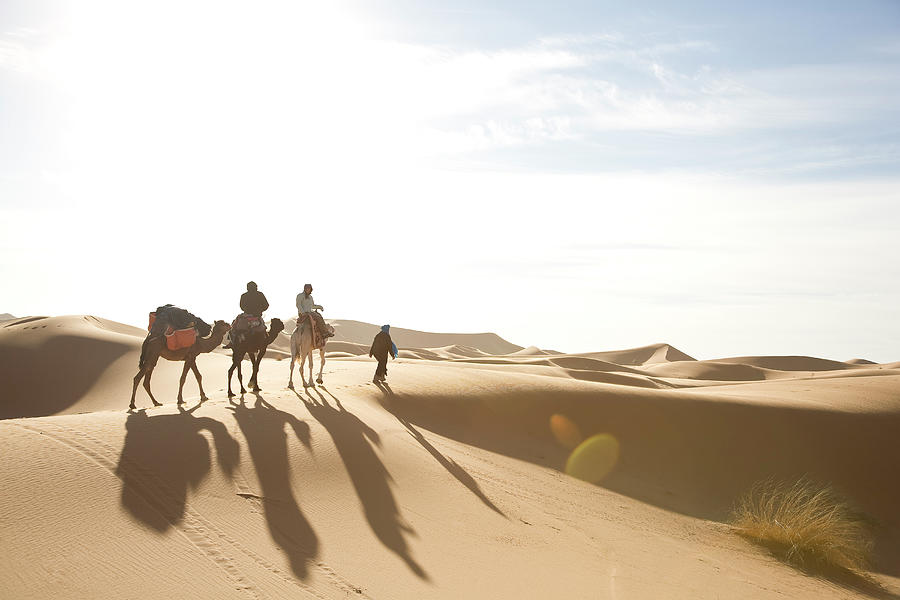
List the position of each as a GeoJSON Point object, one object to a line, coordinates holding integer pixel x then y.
{"type": "Point", "coordinates": [371, 480]}
{"type": "Point", "coordinates": [263, 426]}
{"type": "Point", "coordinates": [155, 483]}
{"type": "Point", "coordinates": [452, 467]}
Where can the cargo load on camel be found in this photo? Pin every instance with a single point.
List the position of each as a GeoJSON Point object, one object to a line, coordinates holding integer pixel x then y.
{"type": "Point", "coordinates": [179, 327]}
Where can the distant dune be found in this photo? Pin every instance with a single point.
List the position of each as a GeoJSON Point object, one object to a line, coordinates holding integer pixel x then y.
{"type": "Point", "coordinates": [358, 332]}
{"type": "Point", "coordinates": [448, 483]}
{"type": "Point", "coordinates": [6, 317]}
{"type": "Point", "coordinates": [860, 361]}
{"type": "Point", "coordinates": [787, 363]}
{"type": "Point", "coordinates": [654, 353]}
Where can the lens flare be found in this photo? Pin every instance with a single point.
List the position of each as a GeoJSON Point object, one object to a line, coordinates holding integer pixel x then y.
{"type": "Point", "coordinates": [565, 431]}
{"type": "Point", "coordinates": [594, 458]}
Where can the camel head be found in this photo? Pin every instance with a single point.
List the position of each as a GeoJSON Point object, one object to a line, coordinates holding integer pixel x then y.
{"type": "Point", "coordinates": [276, 325]}
{"type": "Point", "coordinates": [220, 327]}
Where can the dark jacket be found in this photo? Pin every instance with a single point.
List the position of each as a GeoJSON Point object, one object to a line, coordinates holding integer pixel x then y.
{"type": "Point", "coordinates": [381, 346]}
{"type": "Point", "coordinates": [254, 303]}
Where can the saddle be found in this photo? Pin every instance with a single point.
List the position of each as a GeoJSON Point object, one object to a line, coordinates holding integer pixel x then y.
{"type": "Point", "coordinates": [307, 320]}
{"type": "Point", "coordinates": [249, 323]}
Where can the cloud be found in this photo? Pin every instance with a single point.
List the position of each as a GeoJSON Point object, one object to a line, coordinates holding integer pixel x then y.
{"type": "Point", "coordinates": [313, 85]}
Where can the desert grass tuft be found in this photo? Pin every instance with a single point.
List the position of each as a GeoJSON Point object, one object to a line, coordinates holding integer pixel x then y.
{"type": "Point", "coordinates": [806, 524]}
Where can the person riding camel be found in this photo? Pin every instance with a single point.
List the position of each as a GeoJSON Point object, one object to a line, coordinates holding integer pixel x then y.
{"type": "Point", "coordinates": [253, 304]}
{"type": "Point", "coordinates": [253, 301]}
{"type": "Point", "coordinates": [307, 307]}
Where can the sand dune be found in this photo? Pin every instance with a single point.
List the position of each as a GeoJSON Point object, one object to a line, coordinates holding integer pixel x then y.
{"type": "Point", "coordinates": [787, 363]}
{"type": "Point", "coordinates": [6, 317]}
{"type": "Point", "coordinates": [355, 338]}
{"type": "Point", "coordinates": [529, 351]}
{"type": "Point", "coordinates": [711, 370]}
{"type": "Point", "coordinates": [654, 353]}
{"type": "Point", "coordinates": [363, 333]}
{"type": "Point", "coordinates": [447, 484]}
{"type": "Point", "coordinates": [860, 361]}
{"type": "Point", "coordinates": [52, 365]}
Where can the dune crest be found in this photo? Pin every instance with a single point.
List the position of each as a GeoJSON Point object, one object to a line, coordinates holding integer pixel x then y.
{"type": "Point", "coordinates": [654, 353]}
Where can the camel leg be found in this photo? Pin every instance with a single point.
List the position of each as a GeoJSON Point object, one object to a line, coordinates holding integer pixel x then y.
{"type": "Point", "coordinates": [137, 380]}
{"type": "Point", "coordinates": [234, 364]}
{"type": "Point", "coordinates": [199, 377]}
{"type": "Point", "coordinates": [311, 384]}
{"type": "Point", "coordinates": [291, 378]}
{"type": "Point", "coordinates": [321, 365]}
{"type": "Point", "coordinates": [184, 372]}
{"type": "Point", "coordinates": [236, 361]}
{"type": "Point", "coordinates": [293, 360]}
{"type": "Point", "coordinates": [257, 360]}
{"type": "Point", "coordinates": [302, 366]}
{"type": "Point", "coordinates": [252, 383]}
{"type": "Point", "coordinates": [147, 386]}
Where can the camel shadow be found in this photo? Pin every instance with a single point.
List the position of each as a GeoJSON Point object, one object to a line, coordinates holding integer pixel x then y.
{"type": "Point", "coordinates": [154, 483]}
{"type": "Point", "coordinates": [371, 480]}
{"type": "Point", "coordinates": [263, 426]}
{"type": "Point", "coordinates": [450, 465]}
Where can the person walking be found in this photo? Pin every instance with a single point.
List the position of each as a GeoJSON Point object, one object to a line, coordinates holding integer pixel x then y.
{"type": "Point", "coordinates": [382, 345]}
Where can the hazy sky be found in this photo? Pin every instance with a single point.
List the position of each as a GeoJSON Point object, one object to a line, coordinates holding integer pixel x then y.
{"type": "Point", "coordinates": [574, 175]}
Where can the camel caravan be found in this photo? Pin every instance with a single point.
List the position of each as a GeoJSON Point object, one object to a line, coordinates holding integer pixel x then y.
{"type": "Point", "coordinates": [176, 334]}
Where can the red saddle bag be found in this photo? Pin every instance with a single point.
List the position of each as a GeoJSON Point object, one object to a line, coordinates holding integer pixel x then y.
{"type": "Point", "coordinates": [176, 339]}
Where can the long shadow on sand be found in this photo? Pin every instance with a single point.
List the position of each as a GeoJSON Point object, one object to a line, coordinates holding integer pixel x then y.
{"type": "Point", "coordinates": [371, 480]}
{"type": "Point", "coordinates": [685, 453]}
{"type": "Point", "coordinates": [154, 481]}
{"type": "Point", "coordinates": [263, 427]}
{"type": "Point", "coordinates": [452, 467]}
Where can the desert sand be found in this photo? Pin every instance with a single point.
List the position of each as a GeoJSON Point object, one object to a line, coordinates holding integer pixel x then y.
{"type": "Point", "coordinates": [448, 482]}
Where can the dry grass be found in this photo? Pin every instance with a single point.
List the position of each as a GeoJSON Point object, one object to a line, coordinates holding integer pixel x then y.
{"type": "Point", "coordinates": [807, 524]}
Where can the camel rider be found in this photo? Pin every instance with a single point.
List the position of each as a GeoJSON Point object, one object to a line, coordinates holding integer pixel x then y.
{"type": "Point", "coordinates": [253, 304]}
{"type": "Point", "coordinates": [307, 306]}
{"type": "Point", "coordinates": [253, 301]}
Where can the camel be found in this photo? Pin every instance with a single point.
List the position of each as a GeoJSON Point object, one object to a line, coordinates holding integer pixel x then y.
{"type": "Point", "coordinates": [302, 346]}
{"type": "Point", "coordinates": [253, 344]}
{"type": "Point", "coordinates": [154, 347]}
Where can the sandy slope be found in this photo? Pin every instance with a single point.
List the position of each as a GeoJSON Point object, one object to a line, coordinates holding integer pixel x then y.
{"type": "Point", "coordinates": [52, 365]}
{"type": "Point", "coordinates": [447, 484]}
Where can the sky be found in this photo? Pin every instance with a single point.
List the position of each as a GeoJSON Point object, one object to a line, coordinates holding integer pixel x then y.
{"type": "Point", "coordinates": [580, 176]}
